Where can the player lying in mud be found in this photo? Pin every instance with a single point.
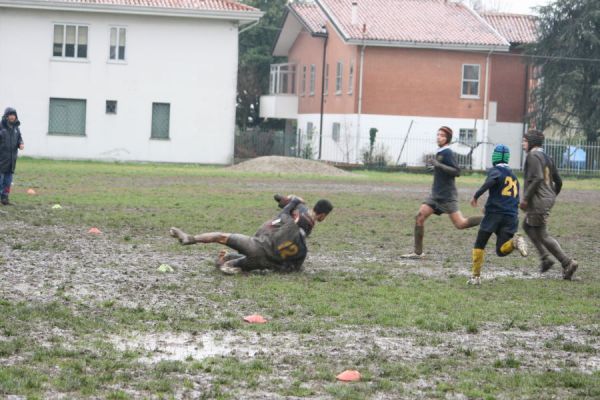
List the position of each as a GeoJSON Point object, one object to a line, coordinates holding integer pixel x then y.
{"type": "Point", "coordinates": [279, 244]}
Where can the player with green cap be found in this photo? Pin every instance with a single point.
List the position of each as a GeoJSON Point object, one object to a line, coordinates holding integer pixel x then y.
{"type": "Point", "coordinates": [501, 212]}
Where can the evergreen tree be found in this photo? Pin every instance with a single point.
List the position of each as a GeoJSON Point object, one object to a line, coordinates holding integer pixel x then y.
{"type": "Point", "coordinates": [255, 58]}
{"type": "Point", "coordinates": [567, 57]}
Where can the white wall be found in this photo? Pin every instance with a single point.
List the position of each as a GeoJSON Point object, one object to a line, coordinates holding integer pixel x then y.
{"type": "Point", "coordinates": [187, 62]}
{"type": "Point", "coordinates": [392, 131]}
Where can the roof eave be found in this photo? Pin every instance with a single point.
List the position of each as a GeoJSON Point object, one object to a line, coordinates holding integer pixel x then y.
{"type": "Point", "coordinates": [304, 24]}
{"type": "Point", "coordinates": [243, 17]}
{"type": "Point", "coordinates": [430, 46]}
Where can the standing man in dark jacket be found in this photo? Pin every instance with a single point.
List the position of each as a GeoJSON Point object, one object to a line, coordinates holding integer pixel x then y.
{"type": "Point", "coordinates": [10, 142]}
{"type": "Point", "coordinates": [542, 185]}
{"type": "Point", "coordinates": [279, 244]}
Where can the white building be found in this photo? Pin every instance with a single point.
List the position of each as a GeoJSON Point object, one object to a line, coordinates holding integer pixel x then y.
{"type": "Point", "coordinates": [145, 80]}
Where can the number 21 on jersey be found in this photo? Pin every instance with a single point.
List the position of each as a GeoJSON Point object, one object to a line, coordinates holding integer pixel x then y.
{"type": "Point", "coordinates": [511, 188]}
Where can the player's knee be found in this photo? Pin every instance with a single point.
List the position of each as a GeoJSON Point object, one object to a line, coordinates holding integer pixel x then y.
{"type": "Point", "coordinates": [420, 218]}
{"type": "Point", "coordinates": [460, 224]}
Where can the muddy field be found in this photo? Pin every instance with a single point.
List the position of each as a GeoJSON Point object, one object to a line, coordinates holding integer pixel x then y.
{"type": "Point", "coordinates": [90, 316]}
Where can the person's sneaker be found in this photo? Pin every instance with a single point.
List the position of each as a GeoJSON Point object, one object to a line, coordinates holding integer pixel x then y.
{"type": "Point", "coordinates": [413, 256]}
{"type": "Point", "coordinates": [229, 270]}
{"type": "Point", "coordinates": [474, 280]}
{"type": "Point", "coordinates": [5, 201]}
{"type": "Point", "coordinates": [546, 265]}
{"type": "Point", "coordinates": [520, 244]}
{"type": "Point", "coordinates": [569, 270]}
{"type": "Point", "coordinates": [183, 237]}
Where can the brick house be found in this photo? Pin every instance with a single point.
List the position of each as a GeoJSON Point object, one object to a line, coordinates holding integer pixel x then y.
{"type": "Point", "coordinates": [404, 67]}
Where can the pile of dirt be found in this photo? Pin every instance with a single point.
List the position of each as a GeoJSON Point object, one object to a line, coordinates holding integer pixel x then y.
{"type": "Point", "coordinates": [288, 165]}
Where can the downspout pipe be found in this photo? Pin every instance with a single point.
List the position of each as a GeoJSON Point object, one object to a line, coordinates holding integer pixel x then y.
{"type": "Point", "coordinates": [252, 25]}
{"type": "Point", "coordinates": [360, 96]}
{"type": "Point", "coordinates": [525, 111]}
{"type": "Point", "coordinates": [325, 36]}
{"type": "Point", "coordinates": [485, 110]}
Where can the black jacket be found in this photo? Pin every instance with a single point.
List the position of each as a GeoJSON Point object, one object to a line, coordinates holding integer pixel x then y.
{"type": "Point", "coordinates": [10, 140]}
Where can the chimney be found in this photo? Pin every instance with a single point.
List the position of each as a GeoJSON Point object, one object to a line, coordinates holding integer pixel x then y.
{"type": "Point", "coordinates": [354, 12]}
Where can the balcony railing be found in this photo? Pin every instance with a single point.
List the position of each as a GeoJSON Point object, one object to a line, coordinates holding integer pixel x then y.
{"type": "Point", "coordinates": [282, 79]}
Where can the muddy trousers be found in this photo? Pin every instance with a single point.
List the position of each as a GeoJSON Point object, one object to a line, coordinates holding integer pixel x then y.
{"type": "Point", "coordinates": [545, 244]}
{"type": "Point", "coordinates": [5, 183]}
{"type": "Point", "coordinates": [504, 246]}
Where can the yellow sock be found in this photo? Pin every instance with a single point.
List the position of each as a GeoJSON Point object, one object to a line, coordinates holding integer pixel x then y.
{"type": "Point", "coordinates": [477, 261]}
{"type": "Point", "coordinates": [507, 247]}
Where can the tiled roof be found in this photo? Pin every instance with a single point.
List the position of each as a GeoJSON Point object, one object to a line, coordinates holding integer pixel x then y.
{"type": "Point", "coordinates": [414, 22]}
{"type": "Point", "coordinates": [311, 15]}
{"type": "Point", "coordinates": [191, 5]}
{"type": "Point", "coordinates": [516, 28]}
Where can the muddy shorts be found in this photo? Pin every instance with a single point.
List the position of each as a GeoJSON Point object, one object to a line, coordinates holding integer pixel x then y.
{"type": "Point", "coordinates": [253, 252]}
{"type": "Point", "coordinates": [500, 224]}
{"type": "Point", "coordinates": [442, 207]}
{"type": "Point", "coordinates": [536, 219]}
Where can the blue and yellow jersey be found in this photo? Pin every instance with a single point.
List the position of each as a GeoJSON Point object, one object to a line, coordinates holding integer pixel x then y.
{"type": "Point", "coordinates": [504, 191]}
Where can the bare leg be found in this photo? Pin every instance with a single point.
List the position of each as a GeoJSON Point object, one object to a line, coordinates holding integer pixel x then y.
{"type": "Point", "coordinates": [460, 222]}
{"type": "Point", "coordinates": [425, 212]}
{"type": "Point", "coordinates": [180, 235]}
{"type": "Point", "coordinates": [211, 237]}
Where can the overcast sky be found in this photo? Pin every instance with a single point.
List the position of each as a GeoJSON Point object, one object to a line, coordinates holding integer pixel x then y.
{"type": "Point", "coordinates": [520, 6]}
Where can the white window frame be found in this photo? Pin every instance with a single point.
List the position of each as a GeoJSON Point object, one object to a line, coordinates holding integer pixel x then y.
{"type": "Point", "coordinates": [351, 78]}
{"type": "Point", "coordinates": [303, 82]}
{"type": "Point", "coordinates": [313, 78]}
{"type": "Point", "coordinates": [118, 28]}
{"type": "Point", "coordinates": [336, 137]}
{"type": "Point", "coordinates": [326, 80]}
{"type": "Point", "coordinates": [62, 57]}
{"type": "Point", "coordinates": [463, 80]}
{"type": "Point", "coordinates": [339, 73]}
{"type": "Point", "coordinates": [463, 134]}
{"type": "Point", "coordinates": [310, 127]}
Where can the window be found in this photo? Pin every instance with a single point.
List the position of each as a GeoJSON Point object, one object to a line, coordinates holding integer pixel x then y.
{"type": "Point", "coordinates": [117, 43]}
{"type": "Point", "coordinates": [70, 41]}
{"type": "Point", "coordinates": [111, 106]}
{"type": "Point", "coordinates": [335, 132]}
{"type": "Point", "coordinates": [67, 117]}
{"type": "Point", "coordinates": [470, 81]}
{"type": "Point", "coordinates": [309, 130]}
{"type": "Point", "coordinates": [326, 80]}
{"type": "Point", "coordinates": [351, 78]}
{"type": "Point", "coordinates": [160, 120]}
{"type": "Point", "coordinates": [303, 84]}
{"type": "Point", "coordinates": [313, 77]}
{"type": "Point", "coordinates": [338, 78]}
{"type": "Point", "coordinates": [467, 136]}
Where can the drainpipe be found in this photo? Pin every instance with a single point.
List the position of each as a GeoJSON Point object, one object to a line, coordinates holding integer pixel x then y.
{"type": "Point", "coordinates": [525, 111]}
{"type": "Point", "coordinates": [485, 110]}
{"type": "Point", "coordinates": [324, 36]}
{"type": "Point", "coordinates": [360, 95]}
{"type": "Point", "coordinates": [252, 25]}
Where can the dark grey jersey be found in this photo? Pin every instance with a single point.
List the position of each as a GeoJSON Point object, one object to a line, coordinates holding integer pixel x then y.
{"type": "Point", "coordinates": [444, 186]}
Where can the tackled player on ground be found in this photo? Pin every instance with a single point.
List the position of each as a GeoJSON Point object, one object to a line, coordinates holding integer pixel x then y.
{"type": "Point", "coordinates": [279, 244]}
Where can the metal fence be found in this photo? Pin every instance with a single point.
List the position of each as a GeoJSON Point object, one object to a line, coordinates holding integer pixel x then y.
{"type": "Point", "coordinates": [571, 157]}
{"type": "Point", "coordinates": [574, 157]}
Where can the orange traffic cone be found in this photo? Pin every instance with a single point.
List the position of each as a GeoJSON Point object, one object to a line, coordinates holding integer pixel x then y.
{"type": "Point", "coordinates": [31, 192]}
{"type": "Point", "coordinates": [349, 376]}
{"type": "Point", "coordinates": [95, 230]}
{"type": "Point", "coordinates": [255, 319]}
